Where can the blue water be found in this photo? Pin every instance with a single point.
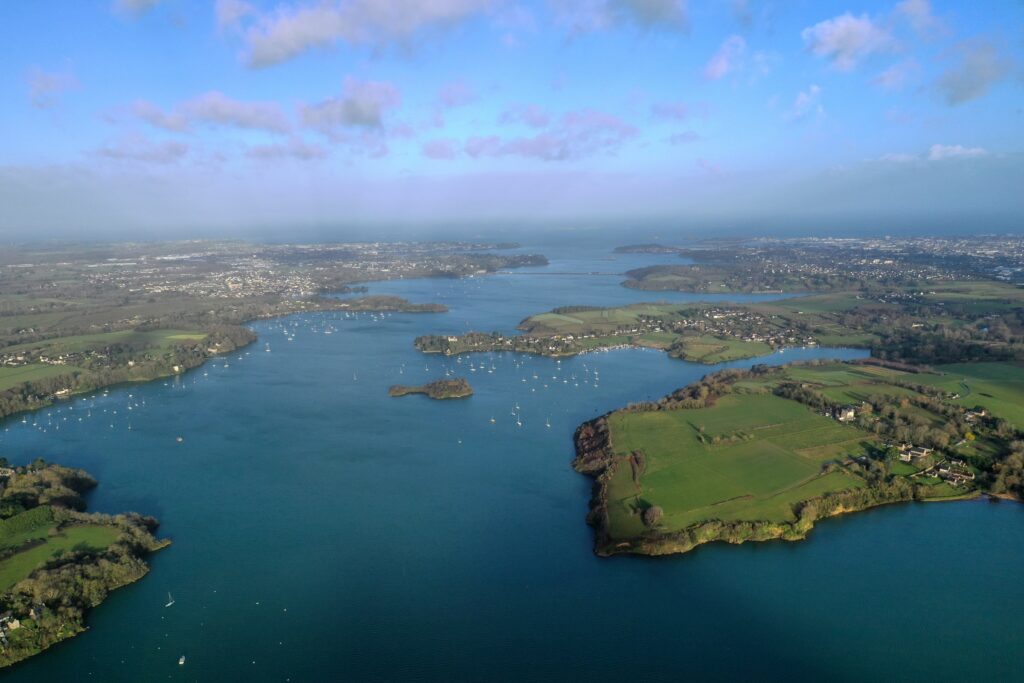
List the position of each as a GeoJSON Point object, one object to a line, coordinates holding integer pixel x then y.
{"type": "Point", "coordinates": [324, 531]}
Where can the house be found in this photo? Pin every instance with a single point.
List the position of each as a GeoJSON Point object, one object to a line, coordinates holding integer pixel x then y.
{"type": "Point", "coordinates": [845, 414]}
{"type": "Point", "coordinates": [6, 472]}
{"type": "Point", "coordinates": [909, 452]}
{"type": "Point", "coordinates": [9, 622]}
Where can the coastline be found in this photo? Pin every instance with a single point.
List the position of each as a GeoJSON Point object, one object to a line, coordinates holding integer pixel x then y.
{"type": "Point", "coordinates": [595, 458]}
{"type": "Point", "coordinates": [71, 560]}
{"type": "Point", "coordinates": [370, 304]}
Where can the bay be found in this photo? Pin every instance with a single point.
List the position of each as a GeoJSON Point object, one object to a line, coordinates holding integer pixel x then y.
{"type": "Point", "coordinates": [325, 531]}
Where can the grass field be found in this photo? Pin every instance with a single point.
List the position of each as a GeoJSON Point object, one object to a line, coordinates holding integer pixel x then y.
{"type": "Point", "coordinates": [821, 303]}
{"type": "Point", "coordinates": [771, 456]}
{"type": "Point", "coordinates": [87, 536]}
{"type": "Point", "coordinates": [976, 297]}
{"type": "Point", "coordinates": [25, 526]}
{"type": "Point", "coordinates": [717, 350]}
{"type": "Point", "coordinates": [11, 377]}
{"type": "Point", "coordinates": [598, 321]}
{"type": "Point", "coordinates": [162, 339]}
{"type": "Point", "coordinates": [998, 387]}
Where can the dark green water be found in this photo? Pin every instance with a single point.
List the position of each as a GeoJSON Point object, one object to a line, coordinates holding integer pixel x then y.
{"type": "Point", "coordinates": [324, 531]}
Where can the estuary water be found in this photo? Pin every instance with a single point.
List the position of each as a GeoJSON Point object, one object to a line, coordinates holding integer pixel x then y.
{"type": "Point", "coordinates": [325, 531]}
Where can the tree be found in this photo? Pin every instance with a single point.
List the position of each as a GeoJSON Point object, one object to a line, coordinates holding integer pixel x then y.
{"type": "Point", "coordinates": [652, 515]}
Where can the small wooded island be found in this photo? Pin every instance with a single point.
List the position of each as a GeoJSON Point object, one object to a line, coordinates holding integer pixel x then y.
{"type": "Point", "coordinates": [56, 561]}
{"type": "Point", "coordinates": [440, 389]}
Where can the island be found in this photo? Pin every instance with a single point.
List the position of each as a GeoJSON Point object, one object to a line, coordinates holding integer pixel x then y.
{"type": "Point", "coordinates": [760, 454]}
{"type": "Point", "coordinates": [439, 390]}
{"type": "Point", "coordinates": [57, 561]}
{"type": "Point", "coordinates": [76, 320]}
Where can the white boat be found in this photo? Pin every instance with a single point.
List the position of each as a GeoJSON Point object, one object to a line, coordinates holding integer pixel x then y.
{"type": "Point", "coordinates": [181, 660]}
{"type": "Point", "coordinates": [170, 601]}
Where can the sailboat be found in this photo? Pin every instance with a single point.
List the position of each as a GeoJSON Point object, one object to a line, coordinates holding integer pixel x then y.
{"type": "Point", "coordinates": [170, 600]}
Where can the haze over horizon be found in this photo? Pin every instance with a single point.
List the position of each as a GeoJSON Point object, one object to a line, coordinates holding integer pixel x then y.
{"type": "Point", "coordinates": [148, 118]}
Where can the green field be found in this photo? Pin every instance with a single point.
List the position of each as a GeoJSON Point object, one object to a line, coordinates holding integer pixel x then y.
{"type": "Point", "coordinates": [162, 339]}
{"type": "Point", "coordinates": [12, 377]}
{"type": "Point", "coordinates": [598, 321]}
{"type": "Point", "coordinates": [821, 303]}
{"type": "Point", "coordinates": [998, 387]}
{"type": "Point", "coordinates": [91, 537]}
{"type": "Point", "coordinates": [771, 455]}
{"type": "Point", "coordinates": [25, 526]}
{"type": "Point", "coordinates": [718, 350]}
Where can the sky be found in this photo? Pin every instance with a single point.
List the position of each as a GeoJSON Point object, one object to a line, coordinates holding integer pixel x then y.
{"type": "Point", "coordinates": [187, 117]}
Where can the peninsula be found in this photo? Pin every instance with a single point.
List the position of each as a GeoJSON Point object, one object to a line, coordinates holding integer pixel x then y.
{"type": "Point", "coordinates": [56, 561]}
{"type": "Point", "coordinates": [439, 390]}
{"type": "Point", "coordinates": [765, 453]}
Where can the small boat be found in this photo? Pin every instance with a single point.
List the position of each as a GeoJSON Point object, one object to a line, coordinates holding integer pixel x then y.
{"type": "Point", "coordinates": [170, 601]}
{"type": "Point", "coordinates": [181, 660]}
{"type": "Point", "coordinates": [180, 439]}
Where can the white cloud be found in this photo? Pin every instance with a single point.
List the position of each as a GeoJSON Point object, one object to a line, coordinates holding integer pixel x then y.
{"type": "Point", "coordinates": [583, 16]}
{"type": "Point", "coordinates": [215, 108]}
{"type": "Point", "coordinates": [896, 76]}
{"type": "Point", "coordinates": [682, 138]}
{"type": "Point", "coordinates": [978, 66]}
{"type": "Point", "coordinates": [942, 152]}
{"type": "Point", "coordinates": [142, 149]}
{"type": "Point", "coordinates": [807, 102]}
{"type": "Point", "coordinates": [456, 94]}
{"type": "Point", "coordinates": [899, 157]}
{"type": "Point", "coordinates": [846, 40]}
{"type": "Point", "coordinates": [576, 135]}
{"type": "Point", "coordinates": [134, 7]}
{"type": "Point", "coordinates": [155, 116]}
{"type": "Point", "coordinates": [919, 14]}
{"type": "Point", "coordinates": [652, 12]}
{"type": "Point", "coordinates": [443, 149]}
{"type": "Point", "coordinates": [936, 152]}
{"type": "Point", "coordinates": [528, 114]}
{"type": "Point", "coordinates": [294, 148]}
{"type": "Point", "coordinates": [363, 104]}
{"type": "Point", "coordinates": [726, 59]}
{"type": "Point", "coordinates": [291, 30]}
{"type": "Point", "coordinates": [230, 13]}
{"type": "Point", "coordinates": [46, 87]}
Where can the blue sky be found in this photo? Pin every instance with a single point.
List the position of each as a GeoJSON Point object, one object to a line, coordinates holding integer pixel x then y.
{"type": "Point", "coordinates": [142, 116]}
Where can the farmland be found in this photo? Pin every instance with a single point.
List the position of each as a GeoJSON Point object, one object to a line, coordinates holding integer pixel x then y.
{"type": "Point", "coordinates": [89, 537]}
{"type": "Point", "coordinates": [998, 387]}
{"type": "Point", "coordinates": [711, 350]}
{"type": "Point", "coordinates": [14, 376]}
{"type": "Point", "coordinates": [769, 456]}
{"type": "Point", "coordinates": [160, 339]}
{"type": "Point", "coordinates": [762, 454]}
